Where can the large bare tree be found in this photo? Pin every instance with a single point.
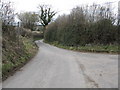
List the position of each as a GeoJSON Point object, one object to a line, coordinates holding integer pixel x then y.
{"type": "Point", "coordinates": [46, 15]}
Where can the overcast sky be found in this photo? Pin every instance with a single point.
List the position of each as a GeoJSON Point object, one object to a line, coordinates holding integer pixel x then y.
{"type": "Point", "coordinates": [62, 6]}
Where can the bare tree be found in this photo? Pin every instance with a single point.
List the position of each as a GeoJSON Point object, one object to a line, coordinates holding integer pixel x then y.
{"type": "Point", "coordinates": [46, 15]}
{"type": "Point", "coordinates": [7, 13]}
{"type": "Point", "coordinates": [28, 19]}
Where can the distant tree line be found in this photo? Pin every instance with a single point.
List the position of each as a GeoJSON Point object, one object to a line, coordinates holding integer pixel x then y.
{"type": "Point", "coordinates": [93, 24]}
{"type": "Point", "coordinates": [43, 17]}
{"type": "Point", "coordinates": [28, 20]}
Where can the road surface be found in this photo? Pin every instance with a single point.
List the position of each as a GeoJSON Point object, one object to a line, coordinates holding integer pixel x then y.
{"type": "Point", "coordinates": [53, 67]}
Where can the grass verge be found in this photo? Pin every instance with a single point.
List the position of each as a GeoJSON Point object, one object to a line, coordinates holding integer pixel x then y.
{"type": "Point", "coordinates": [112, 49]}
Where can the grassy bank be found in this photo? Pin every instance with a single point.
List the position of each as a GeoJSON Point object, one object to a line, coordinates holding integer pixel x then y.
{"type": "Point", "coordinates": [89, 48]}
{"type": "Point", "coordinates": [16, 52]}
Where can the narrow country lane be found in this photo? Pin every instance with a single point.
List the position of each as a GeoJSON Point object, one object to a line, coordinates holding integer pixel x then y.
{"type": "Point", "coordinates": [53, 67]}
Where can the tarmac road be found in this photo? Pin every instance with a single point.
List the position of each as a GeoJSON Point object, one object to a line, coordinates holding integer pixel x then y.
{"type": "Point", "coordinates": [53, 67]}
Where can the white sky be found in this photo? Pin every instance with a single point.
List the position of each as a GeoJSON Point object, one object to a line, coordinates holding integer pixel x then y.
{"type": "Point", "coordinates": [61, 6]}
